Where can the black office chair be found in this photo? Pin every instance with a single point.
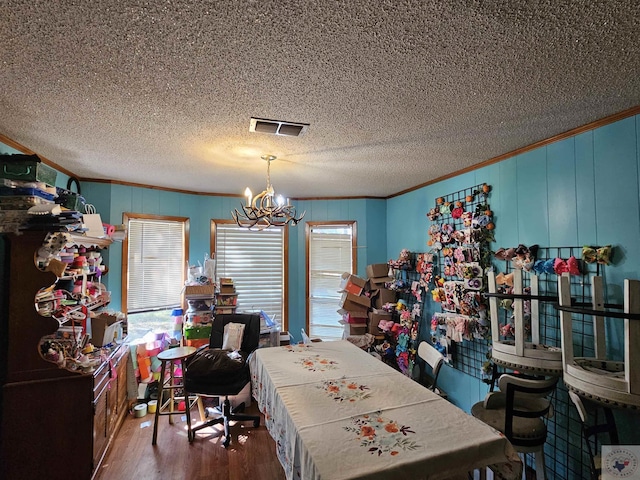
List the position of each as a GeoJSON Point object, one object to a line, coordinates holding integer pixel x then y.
{"type": "Point", "coordinates": [517, 411]}
{"type": "Point", "coordinates": [216, 372]}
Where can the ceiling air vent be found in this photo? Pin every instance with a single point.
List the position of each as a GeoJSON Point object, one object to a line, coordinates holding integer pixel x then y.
{"type": "Point", "coordinates": [278, 127]}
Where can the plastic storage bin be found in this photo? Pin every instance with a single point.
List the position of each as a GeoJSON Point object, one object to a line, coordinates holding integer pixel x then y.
{"type": "Point", "coordinates": [26, 168]}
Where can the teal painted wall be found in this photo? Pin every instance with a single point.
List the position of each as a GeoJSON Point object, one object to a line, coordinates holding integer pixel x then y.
{"type": "Point", "coordinates": [370, 215]}
{"type": "Point", "coordinates": [114, 200]}
{"type": "Point", "coordinates": [581, 190]}
{"type": "Point", "coordinates": [7, 150]}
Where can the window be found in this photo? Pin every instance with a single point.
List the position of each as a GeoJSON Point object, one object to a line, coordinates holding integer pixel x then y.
{"type": "Point", "coordinates": [331, 252]}
{"type": "Point", "coordinates": [256, 262]}
{"type": "Point", "coordinates": [155, 255]}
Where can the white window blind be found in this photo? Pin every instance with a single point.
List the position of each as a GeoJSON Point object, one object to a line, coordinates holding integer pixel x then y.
{"type": "Point", "coordinates": [156, 262]}
{"type": "Point", "coordinates": [255, 262]}
{"type": "Point", "coordinates": [330, 248]}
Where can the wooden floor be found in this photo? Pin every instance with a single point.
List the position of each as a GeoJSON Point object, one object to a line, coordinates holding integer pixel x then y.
{"type": "Point", "coordinates": [251, 454]}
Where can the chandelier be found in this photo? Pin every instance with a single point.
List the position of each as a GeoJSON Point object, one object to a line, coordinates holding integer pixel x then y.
{"type": "Point", "coordinates": [265, 209]}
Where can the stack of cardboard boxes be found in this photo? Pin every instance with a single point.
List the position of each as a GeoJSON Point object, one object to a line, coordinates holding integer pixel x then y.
{"type": "Point", "coordinates": [377, 277]}
{"type": "Point", "coordinates": [227, 298]}
{"type": "Point", "coordinates": [362, 300]}
{"type": "Point", "coordinates": [354, 304]}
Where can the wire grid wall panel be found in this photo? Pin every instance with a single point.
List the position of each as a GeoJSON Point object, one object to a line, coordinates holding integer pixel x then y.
{"type": "Point", "coordinates": [565, 451]}
{"type": "Point", "coordinates": [467, 356]}
{"type": "Point", "coordinates": [470, 355]}
{"type": "Point", "coordinates": [406, 294]}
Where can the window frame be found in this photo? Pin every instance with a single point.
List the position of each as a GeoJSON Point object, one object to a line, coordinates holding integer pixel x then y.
{"type": "Point", "coordinates": [124, 279]}
{"type": "Point", "coordinates": [354, 256]}
{"type": "Point", "coordinates": [284, 321]}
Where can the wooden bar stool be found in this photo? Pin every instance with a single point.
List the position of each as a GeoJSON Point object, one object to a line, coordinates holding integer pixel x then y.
{"type": "Point", "coordinates": [521, 354]}
{"type": "Point", "coordinates": [613, 383]}
{"type": "Point", "coordinates": [166, 407]}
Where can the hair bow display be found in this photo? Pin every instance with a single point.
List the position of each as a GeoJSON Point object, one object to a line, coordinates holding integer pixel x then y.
{"type": "Point", "coordinates": [525, 257]}
{"type": "Point", "coordinates": [544, 266]}
{"type": "Point", "coordinates": [502, 279]}
{"type": "Point", "coordinates": [433, 214]}
{"type": "Point", "coordinates": [386, 325]}
{"type": "Point", "coordinates": [602, 255]}
{"type": "Point", "coordinates": [438, 294]}
{"type": "Point", "coordinates": [505, 253]}
{"type": "Point", "coordinates": [571, 266]}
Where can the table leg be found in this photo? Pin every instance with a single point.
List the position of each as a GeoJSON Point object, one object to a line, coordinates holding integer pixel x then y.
{"type": "Point", "coordinates": [171, 394]}
{"type": "Point", "coordinates": [159, 406]}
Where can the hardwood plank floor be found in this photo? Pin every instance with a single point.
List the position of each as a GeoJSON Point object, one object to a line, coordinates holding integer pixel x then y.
{"type": "Point", "coordinates": [251, 454]}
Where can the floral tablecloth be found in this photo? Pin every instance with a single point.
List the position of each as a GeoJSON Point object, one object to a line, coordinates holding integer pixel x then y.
{"type": "Point", "coordinates": [336, 412]}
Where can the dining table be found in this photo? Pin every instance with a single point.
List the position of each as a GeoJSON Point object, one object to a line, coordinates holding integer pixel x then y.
{"type": "Point", "coordinates": [337, 412]}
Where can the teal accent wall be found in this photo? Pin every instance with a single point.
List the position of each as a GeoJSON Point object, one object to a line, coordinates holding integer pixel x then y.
{"type": "Point", "coordinates": [7, 150]}
{"type": "Point", "coordinates": [370, 218]}
{"type": "Point", "coordinates": [581, 190]}
{"type": "Point", "coordinates": [111, 201]}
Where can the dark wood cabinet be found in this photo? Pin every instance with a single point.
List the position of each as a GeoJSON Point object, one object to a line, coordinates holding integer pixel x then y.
{"type": "Point", "coordinates": [109, 402]}
{"type": "Point", "coordinates": [54, 423]}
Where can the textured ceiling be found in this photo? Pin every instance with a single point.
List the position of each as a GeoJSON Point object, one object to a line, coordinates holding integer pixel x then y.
{"type": "Point", "coordinates": [397, 93]}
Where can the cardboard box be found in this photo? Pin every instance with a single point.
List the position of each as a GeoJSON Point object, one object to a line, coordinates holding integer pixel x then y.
{"type": "Point", "coordinates": [374, 329]}
{"type": "Point", "coordinates": [377, 270]}
{"type": "Point", "coordinates": [354, 313]}
{"type": "Point", "coordinates": [374, 320]}
{"type": "Point", "coordinates": [103, 329]}
{"type": "Point", "coordinates": [352, 284]}
{"type": "Point", "coordinates": [379, 282]}
{"type": "Point", "coordinates": [225, 310]}
{"type": "Point", "coordinates": [199, 290]}
{"type": "Point", "coordinates": [354, 317]}
{"type": "Point", "coordinates": [354, 303]}
{"type": "Point", "coordinates": [355, 328]}
{"type": "Point", "coordinates": [227, 300]}
{"type": "Point", "coordinates": [383, 296]}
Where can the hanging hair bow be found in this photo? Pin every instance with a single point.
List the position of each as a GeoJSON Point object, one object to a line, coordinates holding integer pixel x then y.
{"type": "Point", "coordinates": [525, 257]}
{"type": "Point", "coordinates": [505, 254]}
{"type": "Point", "coordinates": [502, 279]}
{"type": "Point", "coordinates": [445, 209]}
{"type": "Point", "coordinates": [538, 267]}
{"type": "Point", "coordinates": [571, 266]}
{"type": "Point", "coordinates": [602, 255]}
{"type": "Point", "coordinates": [433, 214]}
{"type": "Point", "coordinates": [544, 266]}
